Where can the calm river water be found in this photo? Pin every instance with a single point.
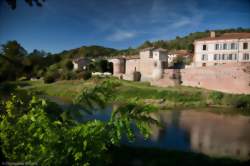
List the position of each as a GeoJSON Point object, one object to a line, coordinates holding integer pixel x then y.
{"type": "Point", "coordinates": [202, 131]}
{"type": "Point", "coordinates": [196, 130]}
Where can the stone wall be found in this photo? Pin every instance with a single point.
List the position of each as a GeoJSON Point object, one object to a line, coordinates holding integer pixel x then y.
{"type": "Point", "coordinates": [131, 66]}
{"type": "Point", "coordinates": [230, 78]}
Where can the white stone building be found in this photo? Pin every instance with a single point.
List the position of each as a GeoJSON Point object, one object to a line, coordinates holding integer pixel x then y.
{"type": "Point", "coordinates": [226, 48]}
{"type": "Point", "coordinates": [150, 63]}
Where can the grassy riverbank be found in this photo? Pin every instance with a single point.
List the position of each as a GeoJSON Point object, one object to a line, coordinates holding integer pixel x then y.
{"type": "Point", "coordinates": [170, 97]}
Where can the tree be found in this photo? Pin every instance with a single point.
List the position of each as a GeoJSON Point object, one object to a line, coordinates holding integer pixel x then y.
{"type": "Point", "coordinates": [12, 3]}
{"type": "Point", "coordinates": [13, 61]}
{"type": "Point", "coordinates": [37, 131]}
{"type": "Point", "coordinates": [146, 44]}
{"type": "Point", "coordinates": [69, 65]}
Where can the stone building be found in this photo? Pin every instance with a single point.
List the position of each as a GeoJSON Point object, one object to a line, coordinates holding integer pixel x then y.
{"type": "Point", "coordinates": [226, 48]}
{"type": "Point", "coordinates": [220, 63]}
{"type": "Point", "coordinates": [150, 64]}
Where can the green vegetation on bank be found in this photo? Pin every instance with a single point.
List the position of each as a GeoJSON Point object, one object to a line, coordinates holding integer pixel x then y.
{"type": "Point", "coordinates": [170, 97]}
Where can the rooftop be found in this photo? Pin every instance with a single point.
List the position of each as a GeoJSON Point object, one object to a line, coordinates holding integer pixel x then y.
{"type": "Point", "coordinates": [226, 36]}
{"type": "Point", "coordinates": [181, 52]}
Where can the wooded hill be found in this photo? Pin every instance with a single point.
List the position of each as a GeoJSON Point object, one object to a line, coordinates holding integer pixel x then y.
{"type": "Point", "coordinates": [185, 42]}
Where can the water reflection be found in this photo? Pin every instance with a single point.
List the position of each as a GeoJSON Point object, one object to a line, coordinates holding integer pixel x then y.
{"type": "Point", "coordinates": [217, 135]}
{"type": "Point", "coordinates": [194, 130]}
{"type": "Point", "coordinates": [204, 132]}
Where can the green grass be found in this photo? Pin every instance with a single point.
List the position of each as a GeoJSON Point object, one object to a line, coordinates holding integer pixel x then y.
{"type": "Point", "coordinates": [169, 97]}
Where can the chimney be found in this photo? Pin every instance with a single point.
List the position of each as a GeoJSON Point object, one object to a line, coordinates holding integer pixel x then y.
{"type": "Point", "coordinates": [212, 34]}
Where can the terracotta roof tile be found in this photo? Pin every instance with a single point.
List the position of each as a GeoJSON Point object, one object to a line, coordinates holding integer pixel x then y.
{"type": "Point", "coordinates": [227, 36]}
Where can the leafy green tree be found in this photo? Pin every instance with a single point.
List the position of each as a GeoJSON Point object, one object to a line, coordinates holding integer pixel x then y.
{"type": "Point", "coordinates": [146, 44]}
{"type": "Point", "coordinates": [13, 61]}
{"type": "Point", "coordinates": [36, 132]}
{"type": "Point", "coordinates": [68, 65]}
{"type": "Point", "coordinates": [12, 3]}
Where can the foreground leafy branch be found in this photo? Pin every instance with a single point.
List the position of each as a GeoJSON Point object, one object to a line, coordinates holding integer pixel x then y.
{"type": "Point", "coordinates": [34, 132]}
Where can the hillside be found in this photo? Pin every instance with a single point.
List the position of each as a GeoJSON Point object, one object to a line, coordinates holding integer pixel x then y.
{"type": "Point", "coordinates": [89, 51]}
{"type": "Point", "coordinates": [185, 42]}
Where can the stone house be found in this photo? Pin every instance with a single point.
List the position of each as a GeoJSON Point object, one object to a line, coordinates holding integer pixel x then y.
{"type": "Point", "coordinates": [226, 48]}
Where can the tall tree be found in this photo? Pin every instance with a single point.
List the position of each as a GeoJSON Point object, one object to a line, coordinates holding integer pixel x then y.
{"type": "Point", "coordinates": [13, 3]}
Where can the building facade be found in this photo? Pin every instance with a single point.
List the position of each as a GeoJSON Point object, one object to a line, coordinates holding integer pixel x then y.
{"type": "Point", "coordinates": [226, 48]}
{"type": "Point", "coordinates": [150, 63]}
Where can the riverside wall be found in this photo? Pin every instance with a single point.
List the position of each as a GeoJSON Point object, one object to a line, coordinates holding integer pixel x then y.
{"type": "Point", "coordinates": [229, 78]}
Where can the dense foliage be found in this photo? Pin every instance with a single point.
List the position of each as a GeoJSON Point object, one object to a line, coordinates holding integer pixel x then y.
{"type": "Point", "coordinates": [39, 132]}
{"type": "Point", "coordinates": [16, 62]}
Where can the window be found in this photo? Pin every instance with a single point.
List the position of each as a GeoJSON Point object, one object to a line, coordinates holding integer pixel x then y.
{"type": "Point", "coordinates": [246, 56]}
{"type": "Point", "coordinates": [245, 46]}
{"type": "Point", "coordinates": [217, 46]}
{"type": "Point", "coordinates": [204, 47]}
{"type": "Point", "coordinates": [230, 57]}
{"type": "Point", "coordinates": [233, 47]}
{"type": "Point", "coordinates": [204, 57]}
{"type": "Point", "coordinates": [224, 46]}
{"type": "Point", "coordinates": [223, 57]}
{"type": "Point", "coordinates": [215, 57]}
{"type": "Point", "coordinates": [235, 56]}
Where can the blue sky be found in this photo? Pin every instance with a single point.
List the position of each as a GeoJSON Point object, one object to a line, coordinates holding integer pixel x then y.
{"type": "Point", "coordinates": [65, 24]}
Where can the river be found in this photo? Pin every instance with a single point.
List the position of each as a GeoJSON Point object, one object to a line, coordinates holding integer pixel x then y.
{"type": "Point", "coordinates": [196, 130]}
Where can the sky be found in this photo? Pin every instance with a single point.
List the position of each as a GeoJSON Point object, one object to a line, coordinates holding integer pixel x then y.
{"type": "Point", "coordinates": [65, 24]}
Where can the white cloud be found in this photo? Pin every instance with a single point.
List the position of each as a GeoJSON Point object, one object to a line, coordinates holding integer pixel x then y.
{"type": "Point", "coordinates": [121, 35]}
{"type": "Point", "coordinates": [182, 22]}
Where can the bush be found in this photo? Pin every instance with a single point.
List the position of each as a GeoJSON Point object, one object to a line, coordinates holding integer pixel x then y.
{"type": "Point", "coordinates": [86, 75]}
{"type": "Point", "coordinates": [216, 97]}
{"type": "Point", "coordinates": [241, 102]}
{"type": "Point", "coordinates": [68, 76]}
{"type": "Point", "coordinates": [49, 79]}
{"type": "Point", "coordinates": [68, 65]}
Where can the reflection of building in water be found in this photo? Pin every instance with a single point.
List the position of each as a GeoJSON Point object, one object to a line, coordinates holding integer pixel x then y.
{"type": "Point", "coordinates": [218, 135]}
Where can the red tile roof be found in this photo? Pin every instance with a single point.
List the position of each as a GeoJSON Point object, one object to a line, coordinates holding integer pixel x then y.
{"type": "Point", "coordinates": [225, 36]}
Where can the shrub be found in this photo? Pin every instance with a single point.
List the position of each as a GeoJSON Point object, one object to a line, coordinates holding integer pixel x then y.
{"type": "Point", "coordinates": [49, 79]}
{"type": "Point", "coordinates": [216, 97]}
{"type": "Point", "coordinates": [241, 102]}
{"type": "Point", "coordinates": [68, 76]}
{"type": "Point", "coordinates": [86, 75]}
{"type": "Point", "coordinates": [68, 65]}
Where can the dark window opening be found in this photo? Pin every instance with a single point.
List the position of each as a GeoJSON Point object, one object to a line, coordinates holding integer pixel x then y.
{"type": "Point", "coordinates": [245, 46]}
{"type": "Point", "coordinates": [204, 47]}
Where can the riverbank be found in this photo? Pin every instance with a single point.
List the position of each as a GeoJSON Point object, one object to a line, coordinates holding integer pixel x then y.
{"type": "Point", "coordinates": [165, 98]}
{"type": "Point", "coordinates": [130, 156]}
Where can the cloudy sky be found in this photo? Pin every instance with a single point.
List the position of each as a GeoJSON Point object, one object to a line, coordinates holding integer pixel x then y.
{"type": "Point", "coordinates": [65, 24]}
